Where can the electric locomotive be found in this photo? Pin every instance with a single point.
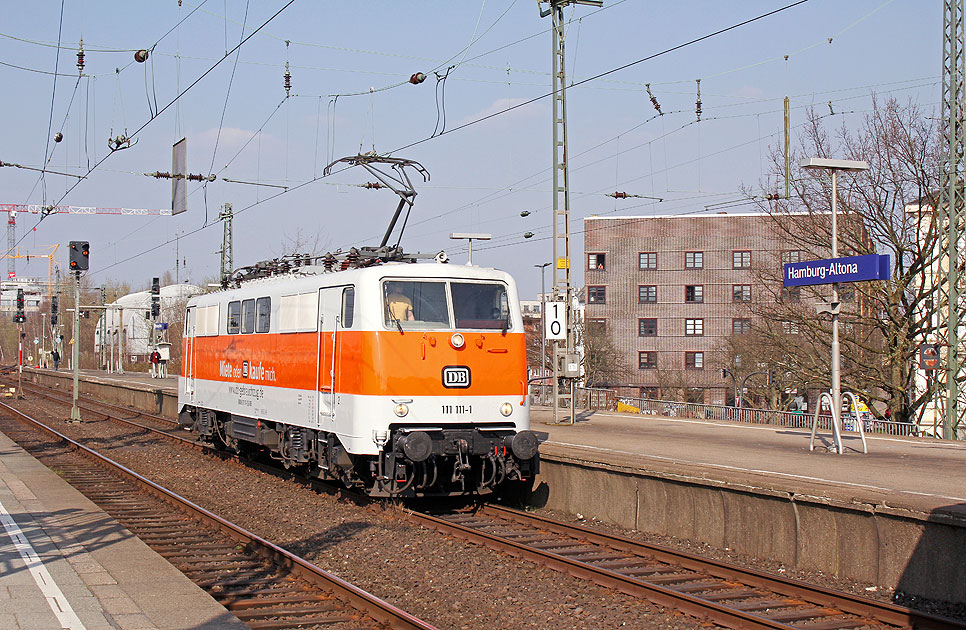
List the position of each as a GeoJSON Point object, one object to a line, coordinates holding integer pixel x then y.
{"type": "Point", "coordinates": [401, 378]}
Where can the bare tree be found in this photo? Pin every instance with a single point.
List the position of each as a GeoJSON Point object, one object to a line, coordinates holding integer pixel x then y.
{"type": "Point", "coordinates": [884, 210]}
{"type": "Point", "coordinates": [602, 362]}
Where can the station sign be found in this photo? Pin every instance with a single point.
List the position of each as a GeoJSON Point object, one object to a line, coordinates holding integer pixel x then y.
{"type": "Point", "coordinates": [832, 270]}
{"type": "Point", "coordinates": [160, 325]}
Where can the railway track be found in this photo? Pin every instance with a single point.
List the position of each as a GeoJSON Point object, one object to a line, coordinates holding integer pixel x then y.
{"type": "Point", "coordinates": [725, 594]}
{"type": "Point", "coordinates": [263, 585]}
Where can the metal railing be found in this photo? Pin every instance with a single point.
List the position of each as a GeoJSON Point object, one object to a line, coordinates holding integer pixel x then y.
{"type": "Point", "coordinates": [608, 400]}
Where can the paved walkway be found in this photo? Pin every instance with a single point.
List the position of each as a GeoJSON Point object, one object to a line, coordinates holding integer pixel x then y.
{"type": "Point", "coordinates": [920, 473]}
{"type": "Point", "coordinates": [64, 563]}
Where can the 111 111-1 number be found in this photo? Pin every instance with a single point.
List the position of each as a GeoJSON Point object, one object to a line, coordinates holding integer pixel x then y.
{"type": "Point", "coordinates": [457, 409]}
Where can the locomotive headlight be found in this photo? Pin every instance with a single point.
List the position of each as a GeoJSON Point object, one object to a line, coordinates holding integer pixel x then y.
{"type": "Point", "coordinates": [506, 409]}
{"type": "Point", "coordinates": [401, 409]}
{"type": "Point", "coordinates": [457, 341]}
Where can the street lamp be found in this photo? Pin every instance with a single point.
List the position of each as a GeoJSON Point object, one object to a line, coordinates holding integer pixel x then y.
{"type": "Point", "coordinates": [543, 335]}
{"type": "Point", "coordinates": [470, 237]}
{"type": "Point", "coordinates": [835, 166]}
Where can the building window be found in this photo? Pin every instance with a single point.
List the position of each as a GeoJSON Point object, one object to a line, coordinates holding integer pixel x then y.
{"type": "Point", "coordinates": [694, 327]}
{"type": "Point", "coordinates": [597, 324]}
{"type": "Point", "coordinates": [741, 292]}
{"type": "Point", "coordinates": [740, 326]}
{"type": "Point", "coordinates": [694, 293]}
{"type": "Point", "coordinates": [693, 260]}
{"type": "Point", "coordinates": [694, 360]}
{"type": "Point", "coordinates": [790, 328]}
{"type": "Point", "coordinates": [596, 295]}
{"type": "Point", "coordinates": [595, 261]}
{"type": "Point", "coordinates": [791, 294]}
{"type": "Point", "coordinates": [791, 256]}
{"type": "Point", "coordinates": [646, 294]}
{"type": "Point", "coordinates": [740, 260]}
{"type": "Point", "coordinates": [847, 294]}
{"type": "Point", "coordinates": [648, 260]}
{"type": "Point", "coordinates": [647, 327]}
{"type": "Point", "coordinates": [650, 392]}
{"type": "Point", "coordinates": [647, 360]}
{"type": "Point", "coordinates": [694, 395]}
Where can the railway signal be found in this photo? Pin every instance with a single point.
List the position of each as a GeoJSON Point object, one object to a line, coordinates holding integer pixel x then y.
{"type": "Point", "coordinates": [53, 311]}
{"type": "Point", "coordinates": [155, 298]}
{"type": "Point", "coordinates": [20, 317]}
{"type": "Point", "coordinates": [80, 252]}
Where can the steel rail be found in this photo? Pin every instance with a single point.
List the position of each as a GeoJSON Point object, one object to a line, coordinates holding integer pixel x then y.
{"type": "Point", "coordinates": [881, 611]}
{"type": "Point", "coordinates": [356, 597]}
{"type": "Point", "coordinates": [873, 612]}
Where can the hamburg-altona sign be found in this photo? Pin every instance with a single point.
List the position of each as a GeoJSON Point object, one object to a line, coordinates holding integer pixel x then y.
{"type": "Point", "coordinates": [831, 270]}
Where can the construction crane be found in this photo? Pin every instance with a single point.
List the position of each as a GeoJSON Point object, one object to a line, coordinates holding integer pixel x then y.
{"type": "Point", "coordinates": [13, 210]}
{"type": "Point", "coordinates": [49, 255]}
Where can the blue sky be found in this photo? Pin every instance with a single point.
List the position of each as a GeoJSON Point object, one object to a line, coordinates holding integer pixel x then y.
{"type": "Point", "coordinates": [483, 175]}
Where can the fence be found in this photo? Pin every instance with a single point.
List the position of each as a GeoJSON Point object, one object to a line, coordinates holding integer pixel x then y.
{"type": "Point", "coordinates": [605, 399]}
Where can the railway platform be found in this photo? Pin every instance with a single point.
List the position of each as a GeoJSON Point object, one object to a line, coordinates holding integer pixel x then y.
{"type": "Point", "coordinates": [67, 564]}
{"type": "Point", "coordinates": [916, 474]}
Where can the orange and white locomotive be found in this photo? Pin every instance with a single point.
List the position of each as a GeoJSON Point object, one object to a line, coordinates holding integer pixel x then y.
{"type": "Point", "coordinates": [404, 379]}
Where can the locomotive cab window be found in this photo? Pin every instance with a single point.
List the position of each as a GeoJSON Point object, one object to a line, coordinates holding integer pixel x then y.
{"type": "Point", "coordinates": [415, 305]}
{"type": "Point", "coordinates": [479, 305]}
{"type": "Point", "coordinates": [263, 314]}
{"type": "Point", "coordinates": [348, 306]}
{"type": "Point", "coordinates": [248, 317]}
{"type": "Point", "coordinates": [234, 317]}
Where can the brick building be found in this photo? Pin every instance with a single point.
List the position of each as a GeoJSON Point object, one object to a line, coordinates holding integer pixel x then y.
{"type": "Point", "coordinates": [668, 290]}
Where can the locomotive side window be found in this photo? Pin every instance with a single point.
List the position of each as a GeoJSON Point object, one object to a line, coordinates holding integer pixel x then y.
{"type": "Point", "coordinates": [348, 306]}
{"type": "Point", "coordinates": [248, 317]}
{"type": "Point", "coordinates": [478, 305]}
{"type": "Point", "coordinates": [263, 314]}
{"type": "Point", "coordinates": [298, 313]}
{"type": "Point", "coordinates": [234, 317]}
{"type": "Point", "coordinates": [416, 305]}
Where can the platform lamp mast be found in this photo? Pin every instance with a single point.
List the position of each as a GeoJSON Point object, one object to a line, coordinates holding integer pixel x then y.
{"type": "Point", "coordinates": [564, 358]}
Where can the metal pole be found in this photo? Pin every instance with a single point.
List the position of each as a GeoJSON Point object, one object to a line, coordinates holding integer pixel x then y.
{"type": "Point", "coordinates": [543, 318]}
{"type": "Point", "coordinates": [836, 352]}
{"type": "Point", "coordinates": [20, 360]}
{"type": "Point", "coordinates": [74, 354]}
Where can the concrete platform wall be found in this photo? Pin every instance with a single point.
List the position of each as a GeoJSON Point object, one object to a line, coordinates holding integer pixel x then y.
{"type": "Point", "coordinates": [920, 554]}
{"type": "Point", "coordinates": [145, 398]}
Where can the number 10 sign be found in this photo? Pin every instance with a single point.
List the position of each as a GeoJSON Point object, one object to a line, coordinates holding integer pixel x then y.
{"type": "Point", "coordinates": [555, 320]}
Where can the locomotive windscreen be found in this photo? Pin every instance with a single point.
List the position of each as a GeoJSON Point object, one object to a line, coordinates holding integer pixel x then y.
{"type": "Point", "coordinates": [424, 305]}
{"type": "Point", "coordinates": [478, 305]}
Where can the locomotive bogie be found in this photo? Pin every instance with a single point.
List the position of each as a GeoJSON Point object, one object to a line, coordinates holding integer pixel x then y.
{"type": "Point", "coordinates": [403, 379]}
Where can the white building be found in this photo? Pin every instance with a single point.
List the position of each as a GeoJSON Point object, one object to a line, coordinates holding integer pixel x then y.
{"type": "Point", "coordinates": [127, 323]}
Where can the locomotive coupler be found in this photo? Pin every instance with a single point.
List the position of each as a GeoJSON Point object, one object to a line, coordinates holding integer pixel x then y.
{"type": "Point", "coordinates": [462, 460]}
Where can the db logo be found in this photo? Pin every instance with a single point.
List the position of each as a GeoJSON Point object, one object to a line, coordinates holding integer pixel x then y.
{"type": "Point", "coordinates": [456, 376]}
{"type": "Point", "coordinates": [244, 369]}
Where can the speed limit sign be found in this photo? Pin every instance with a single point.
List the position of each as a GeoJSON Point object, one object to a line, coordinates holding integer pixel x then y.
{"type": "Point", "coordinates": [555, 320]}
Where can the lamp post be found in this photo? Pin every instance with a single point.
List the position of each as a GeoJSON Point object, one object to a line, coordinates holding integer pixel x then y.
{"type": "Point", "coordinates": [470, 237]}
{"type": "Point", "coordinates": [543, 335]}
{"type": "Point", "coordinates": [835, 166]}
